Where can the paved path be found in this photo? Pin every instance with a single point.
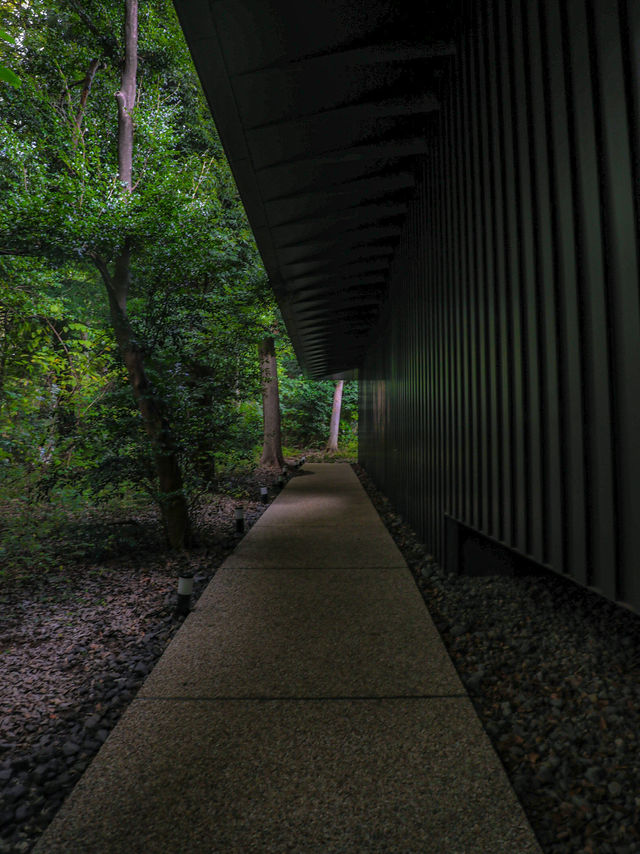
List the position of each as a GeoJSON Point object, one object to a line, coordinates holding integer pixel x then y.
{"type": "Point", "coordinates": [306, 705]}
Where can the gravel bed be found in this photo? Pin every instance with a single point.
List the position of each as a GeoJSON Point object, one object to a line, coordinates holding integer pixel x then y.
{"type": "Point", "coordinates": [553, 671]}
{"type": "Point", "coordinates": [74, 650]}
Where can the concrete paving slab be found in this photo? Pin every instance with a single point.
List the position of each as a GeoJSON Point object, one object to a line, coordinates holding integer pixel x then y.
{"type": "Point", "coordinates": [322, 476]}
{"type": "Point", "coordinates": [334, 472]}
{"type": "Point", "coordinates": [312, 513]}
{"type": "Point", "coordinates": [319, 485]}
{"type": "Point", "coordinates": [323, 490]}
{"type": "Point", "coordinates": [303, 633]}
{"type": "Point", "coordinates": [320, 547]}
{"type": "Point", "coordinates": [306, 482]}
{"type": "Point", "coordinates": [343, 508]}
{"type": "Point", "coordinates": [297, 776]}
{"type": "Point", "coordinates": [380, 582]}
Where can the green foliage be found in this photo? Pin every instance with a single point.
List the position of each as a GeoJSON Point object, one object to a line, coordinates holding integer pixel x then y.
{"type": "Point", "coordinates": [6, 74]}
{"type": "Point", "coordinates": [306, 404]}
{"type": "Point", "coordinates": [50, 537]}
{"type": "Point", "coordinates": [52, 362]}
{"type": "Point", "coordinates": [199, 302]}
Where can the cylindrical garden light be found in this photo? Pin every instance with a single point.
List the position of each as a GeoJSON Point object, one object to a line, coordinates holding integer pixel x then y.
{"type": "Point", "coordinates": [239, 516]}
{"type": "Point", "coordinates": [185, 589]}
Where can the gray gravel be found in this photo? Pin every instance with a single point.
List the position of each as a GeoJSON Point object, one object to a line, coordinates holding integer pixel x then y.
{"type": "Point", "coordinates": [553, 671]}
{"type": "Point", "coordinates": [49, 733]}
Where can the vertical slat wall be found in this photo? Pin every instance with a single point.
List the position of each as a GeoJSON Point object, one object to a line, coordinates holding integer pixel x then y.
{"type": "Point", "coordinates": [504, 387]}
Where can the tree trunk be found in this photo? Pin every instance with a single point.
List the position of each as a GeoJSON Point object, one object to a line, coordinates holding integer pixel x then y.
{"type": "Point", "coordinates": [173, 503]}
{"type": "Point", "coordinates": [272, 447]}
{"type": "Point", "coordinates": [5, 347]}
{"type": "Point", "coordinates": [335, 417]}
{"type": "Point", "coordinates": [84, 95]}
{"type": "Point", "coordinates": [126, 97]}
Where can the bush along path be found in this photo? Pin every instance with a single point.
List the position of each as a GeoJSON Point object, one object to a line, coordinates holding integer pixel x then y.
{"type": "Point", "coordinates": [76, 647]}
{"type": "Point", "coordinates": [553, 671]}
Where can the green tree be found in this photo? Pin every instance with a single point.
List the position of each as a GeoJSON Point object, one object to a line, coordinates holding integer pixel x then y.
{"type": "Point", "coordinates": [306, 405]}
{"type": "Point", "coordinates": [135, 188]}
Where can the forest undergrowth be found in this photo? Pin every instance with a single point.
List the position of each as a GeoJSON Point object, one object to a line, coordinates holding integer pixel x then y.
{"type": "Point", "coordinates": [47, 542]}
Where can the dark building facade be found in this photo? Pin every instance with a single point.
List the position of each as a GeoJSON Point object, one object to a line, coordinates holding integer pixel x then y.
{"type": "Point", "coordinates": [501, 392]}
{"type": "Point", "coordinates": [446, 198]}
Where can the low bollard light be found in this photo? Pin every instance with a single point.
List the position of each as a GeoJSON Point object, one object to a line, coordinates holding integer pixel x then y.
{"type": "Point", "coordinates": [185, 589]}
{"type": "Point", "coordinates": [280, 482]}
{"type": "Point", "coordinates": [264, 494]}
{"type": "Point", "coordinates": [239, 514]}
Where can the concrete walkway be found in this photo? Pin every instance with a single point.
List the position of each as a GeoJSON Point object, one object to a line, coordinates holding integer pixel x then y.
{"type": "Point", "coordinates": [306, 705]}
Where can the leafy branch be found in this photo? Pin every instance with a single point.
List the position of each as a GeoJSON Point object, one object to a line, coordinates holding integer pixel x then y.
{"type": "Point", "coordinates": [6, 74]}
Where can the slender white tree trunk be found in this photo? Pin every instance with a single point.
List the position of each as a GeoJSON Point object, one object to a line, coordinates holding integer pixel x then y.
{"type": "Point", "coordinates": [335, 417]}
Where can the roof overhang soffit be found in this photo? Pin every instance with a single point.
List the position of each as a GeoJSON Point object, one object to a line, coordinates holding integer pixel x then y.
{"type": "Point", "coordinates": [323, 109]}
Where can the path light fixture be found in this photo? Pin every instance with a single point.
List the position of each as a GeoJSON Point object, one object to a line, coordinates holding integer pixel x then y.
{"type": "Point", "coordinates": [264, 494]}
{"type": "Point", "coordinates": [239, 515]}
{"type": "Point", "coordinates": [185, 589]}
{"type": "Point", "coordinates": [280, 481]}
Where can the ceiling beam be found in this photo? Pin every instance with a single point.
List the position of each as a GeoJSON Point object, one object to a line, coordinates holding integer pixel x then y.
{"type": "Point", "coordinates": [347, 114]}
{"type": "Point", "coordinates": [394, 150]}
{"type": "Point", "coordinates": [379, 54]}
{"type": "Point", "coordinates": [300, 282]}
{"type": "Point", "coordinates": [319, 297]}
{"type": "Point", "coordinates": [344, 237]}
{"type": "Point", "coordinates": [374, 279]}
{"type": "Point", "coordinates": [387, 182]}
{"type": "Point", "coordinates": [370, 214]}
{"type": "Point", "coordinates": [369, 249]}
{"type": "Point", "coordinates": [332, 262]}
{"type": "Point", "coordinates": [333, 233]}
